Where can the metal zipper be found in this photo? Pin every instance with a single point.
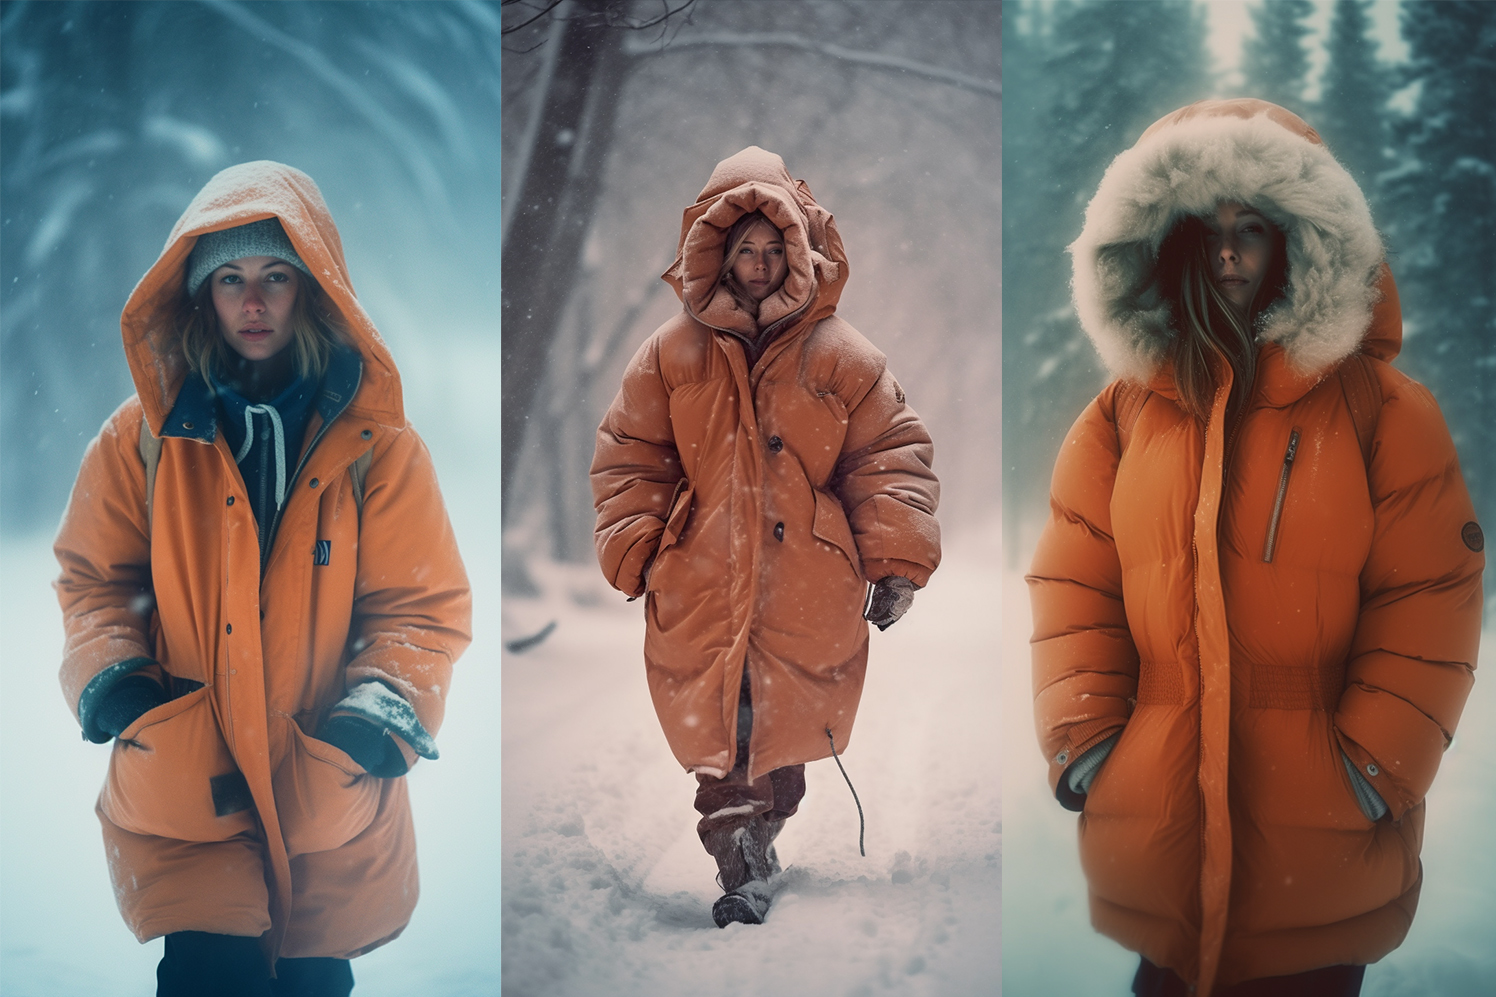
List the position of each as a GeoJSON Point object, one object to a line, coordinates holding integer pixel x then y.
{"type": "Point", "coordinates": [1272, 526]}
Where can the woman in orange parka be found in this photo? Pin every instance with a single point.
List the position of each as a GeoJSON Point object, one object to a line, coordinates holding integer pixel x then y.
{"type": "Point", "coordinates": [758, 468]}
{"type": "Point", "coordinates": [1257, 601]}
{"type": "Point", "coordinates": [263, 601]}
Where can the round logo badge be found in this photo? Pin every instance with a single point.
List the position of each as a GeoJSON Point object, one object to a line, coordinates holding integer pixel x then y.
{"type": "Point", "coordinates": [1474, 539]}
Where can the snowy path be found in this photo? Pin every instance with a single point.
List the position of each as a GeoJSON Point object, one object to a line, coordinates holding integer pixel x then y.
{"type": "Point", "coordinates": [607, 889]}
{"type": "Point", "coordinates": [1052, 949]}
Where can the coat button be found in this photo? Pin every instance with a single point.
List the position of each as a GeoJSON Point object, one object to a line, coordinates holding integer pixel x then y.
{"type": "Point", "coordinates": [1372, 770]}
{"type": "Point", "coordinates": [312, 483]}
{"type": "Point", "coordinates": [779, 532]}
{"type": "Point", "coordinates": [228, 628]}
{"type": "Point", "coordinates": [1062, 758]}
{"type": "Point", "coordinates": [775, 444]}
{"type": "Point", "coordinates": [367, 434]}
{"type": "Point", "coordinates": [231, 500]}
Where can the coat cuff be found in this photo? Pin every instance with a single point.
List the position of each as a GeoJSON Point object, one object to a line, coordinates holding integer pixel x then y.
{"type": "Point", "coordinates": [384, 708]}
{"type": "Point", "coordinates": [1370, 801]}
{"type": "Point", "coordinates": [1075, 784]}
{"type": "Point", "coordinates": [876, 569]}
{"type": "Point", "coordinates": [98, 687]}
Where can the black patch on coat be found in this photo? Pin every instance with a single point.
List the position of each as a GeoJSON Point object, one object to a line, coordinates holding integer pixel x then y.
{"type": "Point", "coordinates": [323, 554]}
{"type": "Point", "coordinates": [1473, 537]}
{"type": "Point", "coordinates": [230, 794]}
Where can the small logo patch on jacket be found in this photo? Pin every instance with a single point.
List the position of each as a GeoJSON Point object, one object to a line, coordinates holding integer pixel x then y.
{"type": "Point", "coordinates": [1473, 537]}
{"type": "Point", "coordinates": [323, 553]}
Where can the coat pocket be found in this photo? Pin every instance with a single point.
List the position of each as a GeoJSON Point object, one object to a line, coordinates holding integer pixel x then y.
{"type": "Point", "coordinates": [324, 798]}
{"type": "Point", "coordinates": [171, 775]}
{"type": "Point", "coordinates": [831, 526]}
{"type": "Point", "coordinates": [675, 527]}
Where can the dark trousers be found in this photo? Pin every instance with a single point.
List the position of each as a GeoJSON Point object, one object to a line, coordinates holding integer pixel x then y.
{"type": "Point", "coordinates": [739, 818]}
{"type": "Point", "coordinates": [1331, 981]}
{"type": "Point", "coordinates": [202, 964]}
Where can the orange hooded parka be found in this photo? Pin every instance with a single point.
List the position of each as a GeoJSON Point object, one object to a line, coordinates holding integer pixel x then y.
{"type": "Point", "coordinates": [221, 812]}
{"type": "Point", "coordinates": [750, 503]}
{"type": "Point", "coordinates": [1255, 614]}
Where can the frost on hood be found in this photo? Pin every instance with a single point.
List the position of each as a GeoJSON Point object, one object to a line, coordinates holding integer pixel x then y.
{"type": "Point", "coordinates": [1239, 150]}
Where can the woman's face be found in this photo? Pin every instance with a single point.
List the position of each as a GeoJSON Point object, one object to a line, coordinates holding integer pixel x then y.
{"type": "Point", "coordinates": [254, 297]}
{"type": "Point", "coordinates": [760, 267]}
{"type": "Point", "coordinates": [1239, 242]}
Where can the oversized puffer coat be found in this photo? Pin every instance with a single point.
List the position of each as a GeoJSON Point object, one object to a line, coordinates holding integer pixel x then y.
{"type": "Point", "coordinates": [1222, 837]}
{"type": "Point", "coordinates": [166, 574]}
{"type": "Point", "coordinates": [750, 504]}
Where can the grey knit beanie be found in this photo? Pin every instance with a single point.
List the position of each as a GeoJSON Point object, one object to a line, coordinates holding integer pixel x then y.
{"type": "Point", "coordinates": [262, 238]}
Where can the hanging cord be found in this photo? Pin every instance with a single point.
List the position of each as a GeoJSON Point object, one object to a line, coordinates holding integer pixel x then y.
{"type": "Point", "coordinates": [250, 411]}
{"type": "Point", "coordinates": [861, 821]}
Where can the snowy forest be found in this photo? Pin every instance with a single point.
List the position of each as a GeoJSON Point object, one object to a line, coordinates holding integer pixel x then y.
{"type": "Point", "coordinates": [1082, 80]}
{"type": "Point", "coordinates": [614, 116]}
{"type": "Point", "coordinates": [112, 116]}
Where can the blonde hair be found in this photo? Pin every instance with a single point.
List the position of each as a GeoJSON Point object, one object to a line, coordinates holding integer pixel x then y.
{"type": "Point", "coordinates": [736, 236]}
{"type": "Point", "coordinates": [315, 328]}
{"type": "Point", "coordinates": [1208, 330]}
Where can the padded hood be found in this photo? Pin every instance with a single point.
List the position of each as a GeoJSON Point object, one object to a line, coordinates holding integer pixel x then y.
{"type": "Point", "coordinates": [756, 180]}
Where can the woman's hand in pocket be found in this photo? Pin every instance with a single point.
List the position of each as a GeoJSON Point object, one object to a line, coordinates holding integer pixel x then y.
{"type": "Point", "coordinates": [374, 750]}
{"type": "Point", "coordinates": [131, 698]}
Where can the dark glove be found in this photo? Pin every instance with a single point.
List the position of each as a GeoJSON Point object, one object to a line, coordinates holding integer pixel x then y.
{"type": "Point", "coordinates": [126, 702]}
{"type": "Point", "coordinates": [891, 599]}
{"type": "Point", "coordinates": [365, 743]}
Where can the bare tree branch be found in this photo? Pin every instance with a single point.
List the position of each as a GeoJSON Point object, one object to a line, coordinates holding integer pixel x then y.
{"type": "Point", "coordinates": [782, 39]}
{"type": "Point", "coordinates": [510, 29]}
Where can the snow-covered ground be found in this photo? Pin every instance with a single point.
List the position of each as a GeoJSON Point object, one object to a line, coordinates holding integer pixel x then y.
{"type": "Point", "coordinates": [607, 888]}
{"type": "Point", "coordinates": [60, 932]}
{"type": "Point", "coordinates": [1051, 948]}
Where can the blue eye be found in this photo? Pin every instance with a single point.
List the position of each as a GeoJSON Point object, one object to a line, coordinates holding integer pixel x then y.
{"type": "Point", "coordinates": [230, 278]}
{"type": "Point", "coordinates": [277, 276]}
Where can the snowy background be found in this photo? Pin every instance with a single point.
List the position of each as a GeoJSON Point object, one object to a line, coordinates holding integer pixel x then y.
{"type": "Point", "coordinates": [606, 886]}
{"type": "Point", "coordinates": [111, 117]}
{"type": "Point", "coordinates": [1401, 93]}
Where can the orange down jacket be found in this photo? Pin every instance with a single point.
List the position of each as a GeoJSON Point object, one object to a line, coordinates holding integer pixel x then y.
{"type": "Point", "coordinates": [321, 858]}
{"type": "Point", "coordinates": [751, 504]}
{"type": "Point", "coordinates": [1222, 836]}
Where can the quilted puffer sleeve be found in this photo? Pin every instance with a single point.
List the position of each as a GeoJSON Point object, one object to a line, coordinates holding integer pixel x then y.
{"type": "Point", "coordinates": [635, 471]}
{"type": "Point", "coordinates": [104, 549]}
{"type": "Point", "coordinates": [886, 485]}
{"type": "Point", "coordinates": [1084, 660]}
{"type": "Point", "coordinates": [412, 609]}
{"type": "Point", "coordinates": [1412, 660]}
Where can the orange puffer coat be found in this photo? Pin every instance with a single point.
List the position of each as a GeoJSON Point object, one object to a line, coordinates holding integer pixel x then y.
{"type": "Point", "coordinates": [751, 504]}
{"type": "Point", "coordinates": [1222, 836]}
{"type": "Point", "coordinates": [317, 853]}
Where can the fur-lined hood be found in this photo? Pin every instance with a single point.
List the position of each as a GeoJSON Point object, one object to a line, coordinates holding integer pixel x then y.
{"type": "Point", "coordinates": [1261, 155]}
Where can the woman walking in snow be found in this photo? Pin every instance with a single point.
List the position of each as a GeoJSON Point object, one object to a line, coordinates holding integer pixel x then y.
{"type": "Point", "coordinates": [263, 601]}
{"type": "Point", "coordinates": [1257, 601]}
{"type": "Point", "coordinates": [758, 468]}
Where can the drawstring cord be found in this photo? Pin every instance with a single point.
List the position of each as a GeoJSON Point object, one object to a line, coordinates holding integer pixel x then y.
{"type": "Point", "coordinates": [280, 446]}
{"type": "Point", "coordinates": [861, 821]}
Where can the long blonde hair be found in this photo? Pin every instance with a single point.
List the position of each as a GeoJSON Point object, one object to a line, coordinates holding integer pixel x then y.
{"type": "Point", "coordinates": [315, 328]}
{"type": "Point", "coordinates": [1208, 330]}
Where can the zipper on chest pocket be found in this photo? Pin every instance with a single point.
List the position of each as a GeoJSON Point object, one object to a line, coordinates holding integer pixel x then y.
{"type": "Point", "coordinates": [1272, 526]}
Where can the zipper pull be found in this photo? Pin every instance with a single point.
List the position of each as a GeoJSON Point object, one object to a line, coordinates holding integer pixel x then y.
{"type": "Point", "coordinates": [1272, 526]}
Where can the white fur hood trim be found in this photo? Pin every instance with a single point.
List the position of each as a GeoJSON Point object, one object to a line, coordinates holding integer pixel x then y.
{"type": "Point", "coordinates": [1186, 168]}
